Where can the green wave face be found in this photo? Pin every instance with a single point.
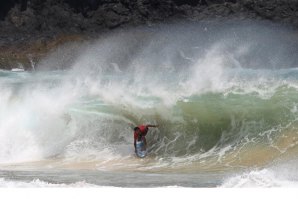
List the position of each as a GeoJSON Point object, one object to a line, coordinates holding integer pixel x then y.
{"type": "Point", "coordinates": [202, 122]}
{"type": "Point", "coordinates": [219, 120]}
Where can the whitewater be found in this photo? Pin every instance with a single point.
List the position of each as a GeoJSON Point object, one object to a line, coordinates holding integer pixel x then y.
{"type": "Point", "coordinates": [224, 95]}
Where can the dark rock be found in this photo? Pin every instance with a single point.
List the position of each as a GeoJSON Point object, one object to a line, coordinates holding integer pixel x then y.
{"type": "Point", "coordinates": [112, 19]}
{"type": "Point", "coordinates": [85, 15]}
{"type": "Point", "coordinates": [23, 21]}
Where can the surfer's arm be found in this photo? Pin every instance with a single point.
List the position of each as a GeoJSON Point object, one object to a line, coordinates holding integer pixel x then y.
{"type": "Point", "coordinates": [151, 125]}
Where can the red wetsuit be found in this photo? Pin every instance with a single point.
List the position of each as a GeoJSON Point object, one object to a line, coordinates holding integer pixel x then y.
{"type": "Point", "coordinates": [144, 131]}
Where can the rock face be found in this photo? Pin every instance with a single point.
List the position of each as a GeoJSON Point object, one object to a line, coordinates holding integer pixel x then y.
{"type": "Point", "coordinates": [27, 21]}
{"type": "Point", "coordinates": [94, 15]}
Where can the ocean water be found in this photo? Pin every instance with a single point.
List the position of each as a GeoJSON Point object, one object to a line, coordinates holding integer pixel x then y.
{"type": "Point", "coordinates": [224, 96]}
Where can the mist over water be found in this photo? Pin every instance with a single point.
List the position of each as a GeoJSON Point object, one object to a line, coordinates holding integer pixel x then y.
{"type": "Point", "coordinates": [224, 96]}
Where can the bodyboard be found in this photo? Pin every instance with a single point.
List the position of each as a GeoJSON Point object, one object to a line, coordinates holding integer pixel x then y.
{"type": "Point", "coordinates": [141, 151]}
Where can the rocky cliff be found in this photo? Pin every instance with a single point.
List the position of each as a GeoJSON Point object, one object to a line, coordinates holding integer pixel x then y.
{"type": "Point", "coordinates": [29, 28]}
